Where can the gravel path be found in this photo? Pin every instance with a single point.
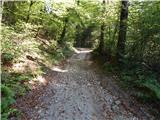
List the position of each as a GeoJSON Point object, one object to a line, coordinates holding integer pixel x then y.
{"type": "Point", "coordinates": [75, 92]}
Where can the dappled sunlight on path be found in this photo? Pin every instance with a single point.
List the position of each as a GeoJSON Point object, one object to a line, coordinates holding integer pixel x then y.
{"type": "Point", "coordinates": [75, 93]}
{"type": "Point", "coordinates": [56, 69]}
{"type": "Point", "coordinates": [82, 50]}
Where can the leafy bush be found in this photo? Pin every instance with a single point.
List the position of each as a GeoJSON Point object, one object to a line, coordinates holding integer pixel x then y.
{"type": "Point", "coordinates": [153, 86]}
{"type": "Point", "coordinates": [7, 57]}
{"type": "Point", "coordinates": [143, 81]}
{"type": "Point", "coordinates": [7, 97]}
{"type": "Point", "coordinates": [6, 101]}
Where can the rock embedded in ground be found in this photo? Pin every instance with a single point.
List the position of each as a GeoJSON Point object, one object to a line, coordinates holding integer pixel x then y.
{"type": "Point", "coordinates": [117, 102]}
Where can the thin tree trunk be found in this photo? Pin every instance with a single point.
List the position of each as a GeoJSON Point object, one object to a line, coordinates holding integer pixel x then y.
{"type": "Point", "coordinates": [9, 16]}
{"type": "Point", "coordinates": [28, 16]}
{"type": "Point", "coordinates": [1, 10]}
{"type": "Point", "coordinates": [101, 42]}
{"type": "Point", "coordinates": [115, 32]}
{"type": "Point", "coordinates": [63, 31]}
{"type": "Point", "coordinates": [122, 31]}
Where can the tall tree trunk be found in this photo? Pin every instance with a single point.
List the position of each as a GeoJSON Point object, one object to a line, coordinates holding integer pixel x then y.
{"type": "Point", "coordinates": [122, 31]}
{"type": "Point", "coordinates": [101, 42]}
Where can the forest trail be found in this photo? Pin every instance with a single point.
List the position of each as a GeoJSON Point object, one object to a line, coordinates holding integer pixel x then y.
{"type": "Point", "coordinates": [75, 92]}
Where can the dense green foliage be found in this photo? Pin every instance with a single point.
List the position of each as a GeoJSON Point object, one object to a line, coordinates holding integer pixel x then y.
{"type": "Point", "coordinates": [142, 54]}
{"type": "Point", "coordinates": [140, 69]}
{"type": "Point", "coordinates": [33, 36]}
{"type": "Point", "coordinates": [28, 45]}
